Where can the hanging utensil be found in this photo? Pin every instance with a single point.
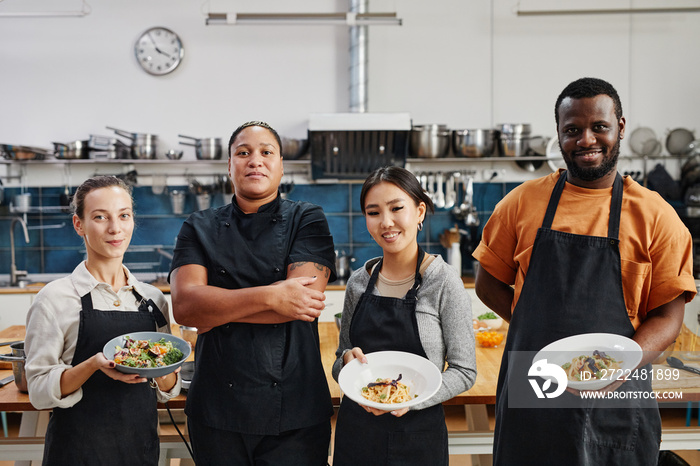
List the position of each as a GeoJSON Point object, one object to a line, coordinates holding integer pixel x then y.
{"type": "Point", "coordinates": [439, 193]}
{"type": "Point", "coordinates": [450, 192]}
{"type": "Point", "coordinates": [66, 197]}
{"type": "Point", "coordinates": [431, 187]}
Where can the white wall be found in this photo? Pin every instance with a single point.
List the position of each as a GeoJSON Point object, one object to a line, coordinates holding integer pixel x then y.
{"type": "Point", "coordinates": [461, 63]}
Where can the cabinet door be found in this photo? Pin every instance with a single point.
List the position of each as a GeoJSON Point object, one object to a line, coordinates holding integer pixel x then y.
{"type": "Point", "coordinates": [14, 308]}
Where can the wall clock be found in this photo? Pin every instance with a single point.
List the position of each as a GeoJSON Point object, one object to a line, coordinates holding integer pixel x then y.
{"type": "Point", "coordinates": [159, 51]}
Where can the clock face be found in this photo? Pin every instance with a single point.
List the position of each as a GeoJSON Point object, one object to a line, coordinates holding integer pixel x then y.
{"type": "Point", "coordinates": [159, 51]}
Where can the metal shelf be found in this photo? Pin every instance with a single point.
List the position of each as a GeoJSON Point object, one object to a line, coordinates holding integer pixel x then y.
{"type": "Point", "coordinates": [133, 161]}
{"type": "Point", "coordinates": [532, 159]}
{"type": "Point", "coordinates": [41, 209]}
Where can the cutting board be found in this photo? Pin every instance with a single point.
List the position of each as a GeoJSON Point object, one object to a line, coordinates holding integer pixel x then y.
{"type": "Point", "coordinates": [686, 379]}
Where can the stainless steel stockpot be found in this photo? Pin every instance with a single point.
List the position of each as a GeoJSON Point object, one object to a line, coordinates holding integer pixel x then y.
{"type": "Point", "coordinates": [474, 142]}
{"type": "Point", "coordinates": [429, 141]}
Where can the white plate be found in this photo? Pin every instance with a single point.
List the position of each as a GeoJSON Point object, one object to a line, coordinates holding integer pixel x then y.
{"type": "Point", "coordinates": [421, 376]}
{"type": "Point", "coordinates": [147, 372]}
{"type": "Point", "coordinates": [554, 158]}
{"type": "Point", "coordinates": [616, 346]}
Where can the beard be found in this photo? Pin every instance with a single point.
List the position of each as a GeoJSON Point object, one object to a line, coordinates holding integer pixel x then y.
{"type": "Point", "coordinates": [608, 164]}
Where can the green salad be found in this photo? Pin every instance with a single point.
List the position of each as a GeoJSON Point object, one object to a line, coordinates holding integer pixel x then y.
{"type": "Point", "coordinates": [144, 354]}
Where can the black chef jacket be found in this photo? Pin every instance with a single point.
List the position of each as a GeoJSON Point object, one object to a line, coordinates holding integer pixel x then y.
{"type": "Point", "coordinates": [259, 379]}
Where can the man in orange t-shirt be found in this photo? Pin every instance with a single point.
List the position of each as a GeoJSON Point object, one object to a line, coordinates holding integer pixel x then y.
{"type": "Point", "coordinates": [579, 251]}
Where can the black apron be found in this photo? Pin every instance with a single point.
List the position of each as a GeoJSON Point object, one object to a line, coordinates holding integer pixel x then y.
{"type": "Point", "coordinates": [416, 438]}
{"type": "Point", "coordinates": [114, 423]}
{"type": "Point", "coordinates": [573, 286]}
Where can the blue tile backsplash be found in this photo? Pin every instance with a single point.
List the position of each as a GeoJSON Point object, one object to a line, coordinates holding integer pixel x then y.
{"type": "Point", "coordinates": [54, 247]}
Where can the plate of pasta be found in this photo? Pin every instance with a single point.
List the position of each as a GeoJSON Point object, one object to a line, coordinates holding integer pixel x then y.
{"type": "Point", "coordinates": [593, 361]}
{"type": "Point", "coordinates": [390, 380]}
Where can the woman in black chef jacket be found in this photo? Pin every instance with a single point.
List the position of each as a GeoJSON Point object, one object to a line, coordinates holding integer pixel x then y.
{"type": "Point", "coordinates": [410, 301]}
{"type": "Point", "coordinates": [100, 415]}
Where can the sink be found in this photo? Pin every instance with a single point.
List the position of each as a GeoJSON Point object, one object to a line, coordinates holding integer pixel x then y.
{"type": "Point", "coordinates": [22, 284]}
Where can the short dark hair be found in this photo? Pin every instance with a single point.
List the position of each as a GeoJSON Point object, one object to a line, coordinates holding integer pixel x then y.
{"type": "Point", "coordinates": [585, 88]}
{"type": "Point", "coordinates": [403, 179]}
{"type": "Point", "coordinates": [247, 124]}
{"type": "Point", "coordinates": [91, 184]}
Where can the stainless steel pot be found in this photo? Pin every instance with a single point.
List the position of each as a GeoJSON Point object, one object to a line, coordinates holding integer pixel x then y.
{"type": "Point", "coordinates": [515, 128]}
{"type": "Point", "coordinates": [343, 265]}
{"type": "Point", "coordinates": [143, 145]}
{"type": "Point", "coordinates": [72, 150]}
{"type": "Point", "coordinates": [205, 148]}
{"type": "Point", "coordinates": [513, 140]}
{"type": "Point", "coordinates": [429, 141]}
{"type": "Point", "coordinates": [474, 142]}
{"type": "Point", "coordinates": [18, 359]}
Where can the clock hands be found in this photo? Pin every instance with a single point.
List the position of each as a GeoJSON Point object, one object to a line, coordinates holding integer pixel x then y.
{"type": "Point", "coordinates": [156, 47]}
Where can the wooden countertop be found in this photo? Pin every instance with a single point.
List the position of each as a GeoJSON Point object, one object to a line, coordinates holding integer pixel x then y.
{"type": "Point", "coordinates": [488, 362]}
{"type": "Point", "coordinates": [483, 391]}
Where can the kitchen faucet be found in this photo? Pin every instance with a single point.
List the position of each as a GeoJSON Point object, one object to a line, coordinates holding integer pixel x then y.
{"type": "Point", "coordinates": [15, 274]}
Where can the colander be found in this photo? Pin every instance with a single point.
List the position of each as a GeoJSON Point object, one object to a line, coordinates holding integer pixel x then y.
{"type": "Point", "coordinates": [643, 141]}
{"type": "Point", "coordinates": [679, 141]}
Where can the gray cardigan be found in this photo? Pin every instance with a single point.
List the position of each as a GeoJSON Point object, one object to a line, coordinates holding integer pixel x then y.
{"type": "Point", "coordinates": [444, 319]}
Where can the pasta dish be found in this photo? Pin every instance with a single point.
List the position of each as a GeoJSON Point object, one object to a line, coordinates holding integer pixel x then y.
{"type": "Point", "coordinates": [387, 391]}
{"type": "Point", "coordinates": [585, 367]}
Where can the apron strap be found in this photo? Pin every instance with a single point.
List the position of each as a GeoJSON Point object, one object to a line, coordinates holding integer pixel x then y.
{"type": "Point", "coordinates": [615, 205]}
{"type": "Point", "coordinates": [615, 208]}
{"type": "Point", "coordinates": [86, 302]}
{"type": "Point", "coordinates": [144, 306]}
{"type": "Point", "coordinates": [416, 283]}
{"type": "Point", "coordinates": [147, 305]}
{"type": "Point", "coordinates": [413, 292]}
{"type": "Point", "coordinates": [554, 201]}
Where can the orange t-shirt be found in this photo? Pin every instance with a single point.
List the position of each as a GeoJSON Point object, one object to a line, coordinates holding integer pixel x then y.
{"type": "Point", "coordinates": [656, 248]}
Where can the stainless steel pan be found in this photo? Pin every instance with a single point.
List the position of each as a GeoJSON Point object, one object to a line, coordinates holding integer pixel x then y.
{"type": "Point", "coordinates": [143, 145]}
{"type": "Point", "coordinates": [12, 152]}
{"type": "Point", "coordinates": [205, 148]}
{"type": "Point", "coordinates": [72, 150]}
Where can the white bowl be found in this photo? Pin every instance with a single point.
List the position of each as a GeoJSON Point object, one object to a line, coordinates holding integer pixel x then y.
{"type": "Point", "coordinates": [619, 347]}
{"type": "Point", "coordinates": [493, 324]}
{"type": "Point", "coordinates": [421, 376]}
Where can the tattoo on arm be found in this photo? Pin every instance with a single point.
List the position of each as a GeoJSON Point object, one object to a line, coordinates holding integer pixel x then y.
{"type": "Point", "coordinates": [321, 268]}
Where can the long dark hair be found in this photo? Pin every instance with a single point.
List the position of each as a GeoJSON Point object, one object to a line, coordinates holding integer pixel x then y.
{"type": "Point", "coordinates": [97, 182]}
{"type": "Point", "coordinates": [403, 179]}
